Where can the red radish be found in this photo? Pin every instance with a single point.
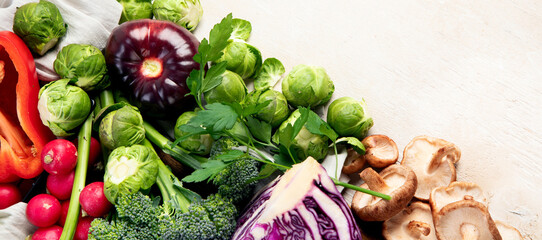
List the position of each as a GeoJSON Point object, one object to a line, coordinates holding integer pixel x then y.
{"type": "Point", "coordinates": [60, 185]}
{"type": "Point", "coordinates": [48, 233]}
{"type": "Point", "coordinates": [64, 206]}
{"type": "Point", "coordinates": [93, 200]}
{"type": "Point", "coordinates": [43, 210]}
{"type": "Point", "coordinates": [81, 232]}
{"type": "Point", "coordinates": [9, 194]}
{"type": "Point", "coordinates": [95, 150]}
{"type": "Point", "coordinates": [59, 156]}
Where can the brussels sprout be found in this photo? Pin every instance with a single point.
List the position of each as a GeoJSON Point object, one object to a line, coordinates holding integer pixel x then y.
{"type": "Point", "coordinates": [63, 107]}
{"type": "Point", "coordinates": [199, 144]}
{"type": "Point", "coordinates": [305, 143]}
{"type": "Point", "coordinates": [348, 117]}
{"type": "Point", "coordinates": [185, 13]}
{"type": "Point", "coordinates": [239, 131]}
{"type": "Point", "coordinates": [231, 89]}
{"type": "Point", "coordinates": [276, 111]}
{"type": "Point", "coordinates": [83, 63]}
{"type": "Point", "coordinates": [40, 25]}
{"type": "Point", "coordinates": [307, 86]}
{"type": "Point", "coordinates": [135, 9]}
{"type": "Point", "coordinates": [242, 58]}
{"type": "Point", "coordinates": [122, 127]}
{"type": "Point", "coordinates": [129, 170]}
{"type": "Point", "coordinates": [241, 29]}
{"type": "Point", "coordinates": [270, 73]}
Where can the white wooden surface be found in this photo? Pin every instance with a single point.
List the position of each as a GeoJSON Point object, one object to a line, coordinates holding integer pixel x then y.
{"type": "Point", "coordinates": [466, 71]}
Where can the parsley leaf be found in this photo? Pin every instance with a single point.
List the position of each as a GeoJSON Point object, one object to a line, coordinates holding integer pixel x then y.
{"type": "Point", "coordinates": [217, 117]}
{"type": "Point", "coordinates": [260, 130]}
{"type": "Point", "coordinates": [354, 142]}
{"type": "Point", "coordinates": [219, 38]}
{"type": "Point", "coordinates": [212, 167]}
{"type": "Point", "coordinates": [316, 125]}
{"type": "Point", "coordinates": [214, 76]}
{"type": "Point", "coordinates": [209, 51]}
{"type": "Point", "coordinates": [209, 169]}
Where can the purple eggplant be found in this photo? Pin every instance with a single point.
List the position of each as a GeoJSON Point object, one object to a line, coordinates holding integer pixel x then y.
{"type": "Point", "coordinates": [151, 60]}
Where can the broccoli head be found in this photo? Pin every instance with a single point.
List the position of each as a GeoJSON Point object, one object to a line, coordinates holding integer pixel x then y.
{"type": "Point", "coordinates": [212, 218]}
{"type": "Point", "coordinates": [138, 217]}
{"type": "Point", "coordinates": [234, 181]}
{"type": "Point", "coordinates": [222, 145]}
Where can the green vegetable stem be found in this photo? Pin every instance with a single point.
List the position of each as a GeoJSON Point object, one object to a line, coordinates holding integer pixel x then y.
{"type": "Point", "coordinates": [79, 180]}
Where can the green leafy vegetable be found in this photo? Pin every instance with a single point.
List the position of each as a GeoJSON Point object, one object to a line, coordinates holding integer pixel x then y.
{"type": "Point", "coordinates": [242, 58]}
{"type": "Point", "coordinates": [230, 87]}
{"type": "Point", "coordinates": [354, 142]}
{"type": "Point", "coordinates": [63, 107]}
{"type": "Point", "coordinates": [83, 63]}
{"type": "Point", "coordinates": [241, 29]}
{"type": "Point", "coordinates": [40, 25]}
{"type": "Point", "coordinates": [135, 9]}
{"type": "Point", "coordinates": [307, 86]}
{"type": "Point", "coordinates": [270, 73]}
{"type": "Point", "coordinates": [128, 170]}
{"type": "Point", "coordinates": [185, 13]}
{"type": "Point", "coordinates": [199, 144]}
{"type": "Point", "coordinates": [209, 51]}
{"type": "Point", "coordinates": [349, 117]}
{"type": "Point", "coordinates": [259, 129]}
{"type": "Point", "coordinates": [217, 117]}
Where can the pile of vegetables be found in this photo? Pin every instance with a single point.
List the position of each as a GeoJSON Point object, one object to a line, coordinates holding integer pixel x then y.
{"type": "Point", "coordinates": [159, 137]}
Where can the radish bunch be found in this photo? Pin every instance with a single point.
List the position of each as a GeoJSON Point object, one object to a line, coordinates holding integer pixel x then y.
{"type": "Point", "coordinates": [48, 211]}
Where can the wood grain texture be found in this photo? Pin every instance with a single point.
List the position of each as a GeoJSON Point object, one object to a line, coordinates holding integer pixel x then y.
{"type": "Point", "coordinates": [469, 72]}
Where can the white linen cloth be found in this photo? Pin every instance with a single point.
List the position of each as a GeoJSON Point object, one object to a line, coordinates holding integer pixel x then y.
{"type": "Point", "coordinates": [13, 223]}
{"type": "Point", "coordinates": [89, 22]}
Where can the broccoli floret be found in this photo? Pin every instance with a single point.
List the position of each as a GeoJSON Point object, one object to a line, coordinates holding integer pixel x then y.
{"type": "Point", "coordinates": [234, 181]}
{"type": "Point", "coordinates": [222, 145]}
{"type": "Point", "coordinates": [212, 218]}
{"type": "Point", "coordinates": [137, 218]}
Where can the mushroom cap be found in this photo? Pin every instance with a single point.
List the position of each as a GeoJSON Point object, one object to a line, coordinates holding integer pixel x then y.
{"type": "Point", "coordinates": [432, 160]}
{"type": "Point", "coordinates": [353, 163]}
{"type": "Point", "coordinates": [456, 191]}
{"type": "Point", "coordinates": [414, 222]}
{"type": "Point", "coordinates": [466, 219]}
{"type": "Point", "coordinates": [381, 151]}
{"type": "Point", "coordinates": [398, 181]}
{"type": "Point", "coordinates": [508, 232]}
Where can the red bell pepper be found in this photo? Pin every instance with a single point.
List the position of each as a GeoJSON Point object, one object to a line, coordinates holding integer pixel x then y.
{"type": "Point", "coordinates": [22, 135]}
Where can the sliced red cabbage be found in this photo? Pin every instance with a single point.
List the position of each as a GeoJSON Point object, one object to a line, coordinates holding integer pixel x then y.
{"type": "Point", "coordinates": [301, 204]}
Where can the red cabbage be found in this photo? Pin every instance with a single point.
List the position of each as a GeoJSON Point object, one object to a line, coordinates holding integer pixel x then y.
{"type": "Point", "coordinates": [301, 204]}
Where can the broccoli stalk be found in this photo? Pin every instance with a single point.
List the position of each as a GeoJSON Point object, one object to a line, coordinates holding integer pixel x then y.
{"type": "Point", "coordinates": [173, 193]}
{"type": "Point", "coordinates": [183, 214]}
{"type": "Point", "coordinates": [168, 147]}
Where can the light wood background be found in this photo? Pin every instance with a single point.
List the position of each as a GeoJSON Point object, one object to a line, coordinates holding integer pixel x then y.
{"type": "Point", "coordinates": [469, 72]}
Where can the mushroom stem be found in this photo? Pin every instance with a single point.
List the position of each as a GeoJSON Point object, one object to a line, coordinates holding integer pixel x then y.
{"type": "Point", "coordinates": [415, 228]}
{"type": "Point", "coordinates": [469, 232]}
{"type": "Point", "coordinates": [439, 156]}
{"type": "Point", "coordinates": [373, 180]}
